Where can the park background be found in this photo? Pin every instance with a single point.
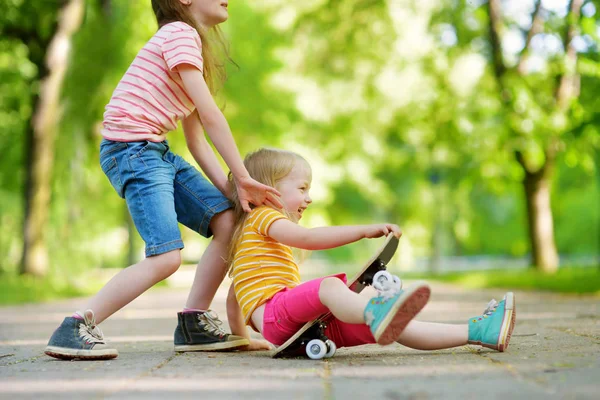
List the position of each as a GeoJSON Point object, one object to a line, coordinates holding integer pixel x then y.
{"type": "Point", "coordinates": [472, 124]}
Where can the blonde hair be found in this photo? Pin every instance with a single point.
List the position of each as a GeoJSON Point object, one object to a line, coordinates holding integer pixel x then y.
{"type": "Point", "coordinates": [269, 167]}
{"type": "Point", "coordinates": [214, 46]}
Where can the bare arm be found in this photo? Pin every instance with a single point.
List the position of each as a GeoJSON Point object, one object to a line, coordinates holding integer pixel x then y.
{"type": "Point", "coordinates": [291, 234]}
{"type": "Point", "coordinates": [234, 315]}
{"type": "Point", "coordinates": [202, 152]}
{"type": "Point", "coordinates": [236, 323]}
{"type": "Point", "coordinates": [213, 120]}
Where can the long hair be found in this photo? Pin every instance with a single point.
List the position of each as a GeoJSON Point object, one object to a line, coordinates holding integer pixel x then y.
{"type": "Point", "coordinates": [269, 167]}
{"type": "Point", "coordinates": [214, 46]}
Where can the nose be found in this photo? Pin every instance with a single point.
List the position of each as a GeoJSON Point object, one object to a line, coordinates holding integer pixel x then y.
{"type": "Point", "coordinates": [307, 199]}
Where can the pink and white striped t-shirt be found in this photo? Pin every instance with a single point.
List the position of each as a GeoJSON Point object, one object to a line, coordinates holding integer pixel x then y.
{"type": "Point", "coordinates": [150, 98]}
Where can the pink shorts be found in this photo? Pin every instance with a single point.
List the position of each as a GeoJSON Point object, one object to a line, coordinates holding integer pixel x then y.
{"type": "Point", "coordinates": [290, 309]}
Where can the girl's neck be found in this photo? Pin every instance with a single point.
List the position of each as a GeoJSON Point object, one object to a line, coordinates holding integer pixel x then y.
{"type": "Point", "coordinates": [200, 23]}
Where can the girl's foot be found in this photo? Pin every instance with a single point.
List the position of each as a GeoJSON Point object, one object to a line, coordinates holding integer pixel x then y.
{"type": "Point", "coordinates": [201, 331]}
{"type": "Point", "coordinates": [493, 328]}
{"type": "Point", "coordinates": [79, 339]}
{"type": "Point", "coordinates": [388, 314]}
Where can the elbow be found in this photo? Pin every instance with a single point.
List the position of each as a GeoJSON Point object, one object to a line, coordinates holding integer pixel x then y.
{"type": "Point", "coordinates": [197, 144]}
{"type": "Point", "coordinates": [312, 246]}
{"type": "Point", "coordinates": [310, 241]}
{"type": "Point", "coordinates": [210, 118]}
{"type": "Point", "coordinates": [231, 299]}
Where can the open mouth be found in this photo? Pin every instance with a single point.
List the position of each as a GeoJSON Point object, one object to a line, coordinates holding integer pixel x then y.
{"type": "Point", "coordinates": [224, 5]}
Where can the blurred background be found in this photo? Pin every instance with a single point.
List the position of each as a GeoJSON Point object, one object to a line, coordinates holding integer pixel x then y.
{"type": "Point", "coordinates": [472, 124]}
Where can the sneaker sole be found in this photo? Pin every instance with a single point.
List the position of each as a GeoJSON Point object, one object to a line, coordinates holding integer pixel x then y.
{"type": "Point", "coordinates": [64, 353]}
{"type": "Point", "coordinates": [508, 323]}
{"type": "Point", "coordinates": [231, 345]}
{"type": "Point", "coordinates": [390, 329]}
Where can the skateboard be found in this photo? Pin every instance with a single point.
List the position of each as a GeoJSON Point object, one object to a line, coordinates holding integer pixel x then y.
{"type": "Point", "coordinates": [310, 340]}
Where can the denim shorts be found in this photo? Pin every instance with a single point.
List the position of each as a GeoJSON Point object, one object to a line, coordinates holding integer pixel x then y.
{"type": "Point", "coordinates": [161, 189]}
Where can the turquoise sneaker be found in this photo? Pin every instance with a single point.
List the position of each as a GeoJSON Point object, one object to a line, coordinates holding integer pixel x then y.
{"type": "Point", "coordinates": [493, 328]}
{"type": "Point", "coordinates": [388, 314]}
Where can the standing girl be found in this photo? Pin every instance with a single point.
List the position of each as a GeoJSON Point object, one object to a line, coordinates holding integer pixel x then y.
{"type": "Point", "coordinates": [170, 80]}
{"type": "Point", "coordinates": [267, 294]}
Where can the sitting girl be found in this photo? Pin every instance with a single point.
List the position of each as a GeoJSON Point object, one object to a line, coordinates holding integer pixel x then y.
{"type": "Point", "coordinates": [267, 293]}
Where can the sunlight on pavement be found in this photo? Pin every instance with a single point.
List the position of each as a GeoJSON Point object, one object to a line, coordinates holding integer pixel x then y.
{"type": "Point", "coordinates": [148, 385]}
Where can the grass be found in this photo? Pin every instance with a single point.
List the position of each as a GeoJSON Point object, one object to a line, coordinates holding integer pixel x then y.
{"type": "Point", "coordinates": [26, 289]}
{"type": "Point", "coordinates": [17, 289]}
{"type": "Point", "coordinates": [566, 280]}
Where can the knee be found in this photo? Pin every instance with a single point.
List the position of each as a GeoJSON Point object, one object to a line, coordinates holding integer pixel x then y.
{"type": "Point", "coordinates": [330, 284]}
{"type": "Point", "coordinates": [168, 263]}
{"type": "Point", "coordinates": [221, 226]}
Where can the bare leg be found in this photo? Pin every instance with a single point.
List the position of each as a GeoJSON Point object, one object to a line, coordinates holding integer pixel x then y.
{"type": "Point", "coordinates": [131, 282]}
{"type": "Point", "coordinates": [211, 268]}
{"type": "Point", "coordinates": [428, 335]}
{"type": "Point", "coordinates": [433, 336]}
{"type": "Point", "coordinates": [343, 303]}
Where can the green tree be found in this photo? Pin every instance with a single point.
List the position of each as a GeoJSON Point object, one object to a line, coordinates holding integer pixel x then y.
{"type": "Point", "coordinates": [46, 30]}
{"type": "Point", "coordinates": [408, 91]}
{"type": "Point", "coordinates": [539, 116]}
{"type": "Point", "coordinates": [85, 208]}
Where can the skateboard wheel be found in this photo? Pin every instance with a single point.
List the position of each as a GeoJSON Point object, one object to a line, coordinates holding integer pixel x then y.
{"type": "Point", "coordinates": [331, 348]}
{"type": "Point", "coordinates": [316, 349]}
{"type": "Point", "coordinates": [380, 279]}
{"type": "Point", "coordinates": [397, 282]}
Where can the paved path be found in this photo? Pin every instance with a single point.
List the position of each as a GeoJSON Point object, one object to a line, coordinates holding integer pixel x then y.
{"type": "Point", "coordinates": [554, 354]}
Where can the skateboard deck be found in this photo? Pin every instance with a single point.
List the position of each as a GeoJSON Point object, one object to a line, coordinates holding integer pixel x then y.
{"type": "Point", "coordinates": [295, 346]}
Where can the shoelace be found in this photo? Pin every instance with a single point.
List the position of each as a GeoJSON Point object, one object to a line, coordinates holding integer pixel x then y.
{"type": "Point", "coordinates": [491, 307]}
{"type": "Point", "coordinates": [211, 323]}
{"type": "Point", "coordinates": [89, 331]}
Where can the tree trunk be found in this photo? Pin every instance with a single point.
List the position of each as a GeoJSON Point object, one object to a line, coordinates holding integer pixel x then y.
{"type": "Point", "coordinates": [541, 226]}
{"type": "Point", "coordinates": [40, 146]}
{"type": "Point", "coordinates": [597, 161]}
{"type": "Point", "coordinates": [537, 184]}
{"type": "Point", "coordinates": [495, 15]}
{"type": "Point", "coordinates": [537, 187]}
{"type": "Point", "coordinates": [435, 259]}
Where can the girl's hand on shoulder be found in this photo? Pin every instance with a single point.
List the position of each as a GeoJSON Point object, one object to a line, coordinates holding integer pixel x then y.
{"type": "Point", "coordinates": [379, 230]}
{"type": "Point", "coordinates": [256, 345]}
{"type": "Point", "coordinates": [253, 192]}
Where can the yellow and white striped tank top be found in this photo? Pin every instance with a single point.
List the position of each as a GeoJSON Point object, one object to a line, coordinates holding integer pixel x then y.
{"type": "Point", "coordinates": [261, 266]}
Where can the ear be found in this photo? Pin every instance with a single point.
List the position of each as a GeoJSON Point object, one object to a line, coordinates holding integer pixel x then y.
{"type": "Point", "coordinates": [186, 2]}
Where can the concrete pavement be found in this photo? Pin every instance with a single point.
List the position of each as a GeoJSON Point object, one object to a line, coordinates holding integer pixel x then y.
{"type": "Point", "coordinates": [554, 354]}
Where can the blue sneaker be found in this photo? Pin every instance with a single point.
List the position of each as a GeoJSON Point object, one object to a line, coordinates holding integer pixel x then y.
{"type": "Point", "coordinates": [79, 339]}
{"type": "Point", "coordinates": [493, 328]}
{"type": "Point", "coordinates": [388, 314]}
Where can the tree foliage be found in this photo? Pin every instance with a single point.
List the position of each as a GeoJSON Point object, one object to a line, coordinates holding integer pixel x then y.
{"type": "Point", "coordinates": [397, 105]}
